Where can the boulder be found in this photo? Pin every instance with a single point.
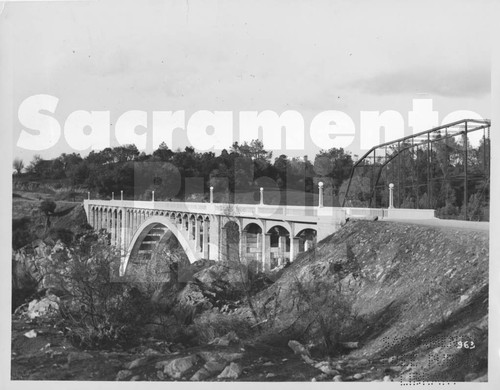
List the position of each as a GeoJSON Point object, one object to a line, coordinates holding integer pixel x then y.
{"type": "Point", "coordinates": [470, 377]}
{"type": "Point", "coordinates": [226, 340]}
{"type": "Point", "coordinates": [177, 367]}
{"type": "Point", "coordinates": [201, 375]}
{"type": "Point", "coordinates": [31, 334]}
{"type": "Point", "coordinates": [326, 368]}
{"type": "Point", "coordinates": [210, 356]}
{"type": "Point", "coordinates": [137, 363]}
{"type": "Point", "coordinates": [298, 348]}
{"type": "Point", "coordinates": [350, 345]}
{"type": "Point", "coordinates": [233, 371]}
{"type": "Point", "coordinates": [123, 375]}
{"type": "Point", "coordinates": [215, 366]}
{"type": "Point", "coordinates": [211, 368]}
{"type": "Point", "coordinates": [45, 306]}
{"type": "Point", "coordinates": [227, 273]}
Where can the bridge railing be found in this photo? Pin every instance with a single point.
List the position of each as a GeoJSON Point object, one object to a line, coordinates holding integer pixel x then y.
{"type": "Point", "coordinates": [243, 210]}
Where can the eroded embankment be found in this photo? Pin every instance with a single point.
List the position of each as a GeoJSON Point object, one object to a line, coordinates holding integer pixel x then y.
{"type": "Point", "coordinates": [415, 293]}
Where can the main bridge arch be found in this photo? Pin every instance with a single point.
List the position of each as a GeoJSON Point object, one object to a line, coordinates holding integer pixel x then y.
{"type": "Point", "coordinates": [144, 229]}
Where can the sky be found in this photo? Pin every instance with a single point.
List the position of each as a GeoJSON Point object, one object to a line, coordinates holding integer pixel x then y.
{"type": "Point", "coordinates": [350, 56]}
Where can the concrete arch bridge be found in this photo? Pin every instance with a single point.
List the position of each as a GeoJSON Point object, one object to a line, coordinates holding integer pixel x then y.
{"type": "Point", "coordinates": [262, 235]}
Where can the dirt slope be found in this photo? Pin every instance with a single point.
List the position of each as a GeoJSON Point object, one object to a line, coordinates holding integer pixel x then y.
{"type": "Point", "coordinates": [418, 294]}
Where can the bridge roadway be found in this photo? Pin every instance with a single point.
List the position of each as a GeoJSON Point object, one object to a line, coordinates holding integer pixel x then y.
{"type": "Point", "coordinates": [263, 236]}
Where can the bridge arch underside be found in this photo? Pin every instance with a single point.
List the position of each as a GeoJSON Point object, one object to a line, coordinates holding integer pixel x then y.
{"type": "Point", "coordinates": [265, 244]}
{"type": "Point", "coordinates": [151, 237]}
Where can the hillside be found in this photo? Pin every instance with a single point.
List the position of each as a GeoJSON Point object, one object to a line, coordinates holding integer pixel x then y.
{"type": "Point", "coordinates": [414, 293]}
{"type": "Point", "coordinates": [374, 301]}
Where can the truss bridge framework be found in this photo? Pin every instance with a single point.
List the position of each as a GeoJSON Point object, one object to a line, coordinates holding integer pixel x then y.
{"type": "Point", "coordinates": [423, 166]}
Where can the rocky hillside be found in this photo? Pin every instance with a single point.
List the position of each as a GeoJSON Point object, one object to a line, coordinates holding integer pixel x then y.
{"type": "Point", "coordinates": [416, 294]}
{"type": "Point", "coordinates": [374, 301]}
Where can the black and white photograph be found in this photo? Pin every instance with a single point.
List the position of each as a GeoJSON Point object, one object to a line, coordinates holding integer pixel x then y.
{"type": "Point", "coordinates": [288, 192]}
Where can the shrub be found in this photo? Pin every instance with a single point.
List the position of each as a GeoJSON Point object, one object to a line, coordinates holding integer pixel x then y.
{"type": "Point", "coordinates": [212, 324]}
{"type": "Point", "coordinates": [21, 232]}
{"type": "Point", "coordinates": [324, 312]}
{"type": "Point", "coordinates": [48, 207]}
{"type": "Point", "coordinates": [96, 308]}
{"type": "Point", "coordinates": [65, 235]}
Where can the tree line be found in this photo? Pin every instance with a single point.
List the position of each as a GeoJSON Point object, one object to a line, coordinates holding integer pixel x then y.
{"type": "Point", "coordinates": [242, 168]}
{"type": "Point", "coordinates": [424, 178]}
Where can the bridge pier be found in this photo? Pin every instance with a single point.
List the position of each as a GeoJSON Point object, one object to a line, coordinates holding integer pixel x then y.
{"type": "Point", "coordinates": [206, 248]}
{"type": "Point", "coordinates": [266, 252]}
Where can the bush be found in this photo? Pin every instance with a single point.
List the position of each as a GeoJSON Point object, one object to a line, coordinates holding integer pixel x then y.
{"type": "Point", "coordinates": [97, 309]}
{"type": "Point", "coordinates": [65, 235]}
{"type": "Point", "coordinates": [324, 312]}
{"type": "Point", "coordinates": [48, 207]}
{"type": "Point", "coordinates": [21, 232]}
{"type": "Point", "coordinates": [211, 324]}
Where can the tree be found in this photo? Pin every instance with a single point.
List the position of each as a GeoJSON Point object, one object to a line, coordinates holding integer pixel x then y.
{"type": "Point", "coordinates": [254, 149]}
{"type": "Point", "coordinates": [48, 207]}
{"type": "Point", "coordinates": [163, 153]}
{"type": "Point", "coordinates": [18, 165]}
{"type": "Point", "coordinates": [34, 166]}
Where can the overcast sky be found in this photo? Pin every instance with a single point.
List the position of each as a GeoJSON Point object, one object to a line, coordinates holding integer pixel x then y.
{"type": "Point", "coordinates": [308, 56]}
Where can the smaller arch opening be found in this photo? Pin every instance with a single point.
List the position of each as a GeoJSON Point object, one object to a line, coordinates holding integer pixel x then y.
{"type": "Point", "coordinates": [307, 239]}
{"type": "Point", "coordinates": [279, 246]}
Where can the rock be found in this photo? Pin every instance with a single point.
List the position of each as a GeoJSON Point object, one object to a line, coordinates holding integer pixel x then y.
{"type": "Point", "coordinates": [209, 356]}
{"type": "Point", "coordinates": [358, 376]}
{"type": "Point", "coordinates": [201, 375]}
{"type": "Point", "coordinates": [229, 274]}
{"type": "Point", "coordinates": [363, 362]}
{"type": "Point", "coordinates": [210, 368]}
{"type": "Point", "coordinates": [387, 378]}
{"type": "Point", "coordinates": [396, 368]}
{"type": "Point", "coordinates": [267, 364]}
{"type": "Point", "coordinates": [350, 344]}
{"type": "Point", "coordinates": [326, 368]}
{"type": "Point", "coordinates": [215, 366]}
{"type": "Point", "coordinates": [137, 363]}
{"type": "Point", "coordinates": [160, 375]}
{"type": "Point", "coordinates": [123, 375]}
{"type": "Point", "coordinates": [307, 359]}
{"type": "Point", "coordinates": [177, 367]}
{"type": "Point", "coordinates": [151, 352]}
{"type": "Point", "coordinates": [298, 348]}
{"type": "Point", "coordinates": [392, 359]}
{"type": "Point", "coordinates": [135, 378]}
{"type": "Point", "coordinates": [78, 356]}
{"type": "Point", "coordinates": [31, 334]}
{"type": "Point", "coordinates": [337, 378]}
{"type": "Point", "coordinates": [313, 380]}
{"type": "Point", "coordinates": [463, 298]}
{"type": "Point", "coordinates": [45, 306]}
{"type": "Point", "coordinates": [470, 377]}
{"type": "Point", "coordinates": [226, 340]}
{"type": "Point", "coordinates": [329, 371]}
{"type": "Point", "coordinates": [270, 375]}
{"type": "Point", "coordinates": [483, 378]}
{"type": "Point", "coordinates": [232, 371]}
